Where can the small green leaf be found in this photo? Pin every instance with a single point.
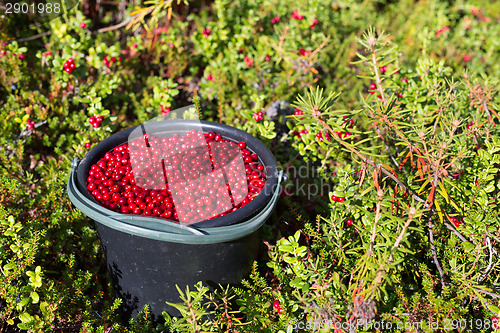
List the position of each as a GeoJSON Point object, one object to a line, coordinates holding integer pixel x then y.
{"type": "Point", "coordinates": [35, 298]}
{"type": "Point", "coordinates": [25, 317]}
{"type": "Point", "coordinates": [443, 192]}
{"type": "Point", "coordinates": [468, 247]}
{"type": "Point", "coordinates": [489, 188]}
{"type": "Point", "coordinates": [493, 308]}
{"type": "Point", "coordinates": [24, 301]}
{"type": "Point", "coordinates": [9, 266]}
{"type": "Point", "coordinates": [286, 248]}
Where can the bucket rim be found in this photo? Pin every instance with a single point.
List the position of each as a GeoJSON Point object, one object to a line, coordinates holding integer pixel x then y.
{"type": "Point", "coordinates": [178, 126]}
{"type": "Point", "coordinates": [173, 232]}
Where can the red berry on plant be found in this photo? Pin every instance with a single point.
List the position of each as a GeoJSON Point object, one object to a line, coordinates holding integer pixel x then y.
{"type": "Point", "coordinates": [21, 56]}
{"type": "Point", "coordinates": [334, 198]}
{"type": "Point", "coordinates": [276, 305]}
{"type": "Point", "coordinates": [165, 110]}
{"type": "Point", "coordinates": [83, 25]}
{"type": "Point", "coordinates": [304, 52]}
{"type": "Point", "coordinates": [206, 32]}
{"type": "Point", "coordinates": [373, 86]}
{"type": "Point", "coordinates": [383, 69]}
{"type": "Point", "coordinates": [494, 322]}
{"type": "Point", "coordinates": [267, 58]}
{"type": "Point", "coordinates": [88, 145]}
{"type": "Point", "coordinates": [404, 80]}
{"type": "Point", "coordinates": [296, 15]}
{"type": "Point", "coordinates": [248, 61]}
{"type": "Point", "coordinates": [340, 199]}
{"type": "Point", "coordinates": [349, 222]}
{"type": "Point", "coordinates": [258, 116]}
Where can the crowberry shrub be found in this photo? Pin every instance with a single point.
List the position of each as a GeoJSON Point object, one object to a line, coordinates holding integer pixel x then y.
{"type": "Point", "coordinates": [417, 172]}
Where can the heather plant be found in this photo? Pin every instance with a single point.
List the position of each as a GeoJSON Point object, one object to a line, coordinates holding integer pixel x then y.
{"type": "Point", "coordinates": [395, 219]}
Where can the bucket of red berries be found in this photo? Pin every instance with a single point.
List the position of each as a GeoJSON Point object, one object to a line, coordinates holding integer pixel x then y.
{"type": "Point", "coordinates": [175, 202]}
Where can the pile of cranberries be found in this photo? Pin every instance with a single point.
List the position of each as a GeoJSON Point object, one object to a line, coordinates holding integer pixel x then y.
{"type": "Point", "coordinates": [186, 178]}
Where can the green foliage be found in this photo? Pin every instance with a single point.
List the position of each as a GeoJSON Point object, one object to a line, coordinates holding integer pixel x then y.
{"type": "Point", "coordinates": [402, 124]}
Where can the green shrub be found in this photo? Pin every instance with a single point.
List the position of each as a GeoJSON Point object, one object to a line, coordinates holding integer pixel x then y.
{"type": "Point", "coordinates": [402, 125]}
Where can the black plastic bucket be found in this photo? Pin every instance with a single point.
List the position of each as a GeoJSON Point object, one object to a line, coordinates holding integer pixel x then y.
{"type": "Point", "coordinates": [147, 257]}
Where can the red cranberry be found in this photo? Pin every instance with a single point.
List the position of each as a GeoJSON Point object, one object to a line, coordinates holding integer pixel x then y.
{"type": "Point", "coordinates": [258, 116]}
{"type": "Point", "coordinates": [248, 61]}
{"type": "Point", "coordinates": [206, 32]}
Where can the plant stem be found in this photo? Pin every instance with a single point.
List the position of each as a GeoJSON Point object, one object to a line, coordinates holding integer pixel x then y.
{"type": "Point", "coordinates": [377, 76]}
{"type": "Point", "coordinates": [433, 250]}
{"type": "Point", "coordinates": [377, 217]}
{"type": "Point", "coordinates": [382, 268]}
